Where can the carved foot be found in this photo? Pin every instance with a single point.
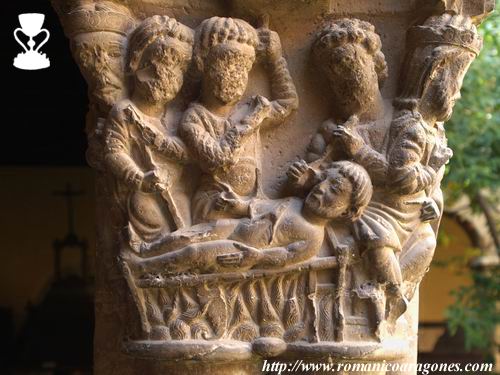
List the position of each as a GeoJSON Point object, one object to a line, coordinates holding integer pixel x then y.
{"type": "Point", "coordinates": [397, 307]}
{"type": "Point", "coordinates": [382, 331]}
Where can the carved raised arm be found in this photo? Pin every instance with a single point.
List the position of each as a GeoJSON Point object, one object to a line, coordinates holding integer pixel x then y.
{"type": "Point", "coordinates": [211, 153]}
{"type": "Point", "coordinates": [284, 94]}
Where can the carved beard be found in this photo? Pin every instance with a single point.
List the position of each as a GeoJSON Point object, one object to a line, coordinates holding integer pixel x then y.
{"type": "Point", "coordinates": [353, 95]}
{"type": "Point", "coordinates": [443, 102]}
{"type": "Point", "coordinates": [228, 79]}
{"type": "Point", "coordinates": [228, 89]}
{"type": "Point", "coordinates": [102, 70]}
{"type": "Point", "coordinates": [161, 89]}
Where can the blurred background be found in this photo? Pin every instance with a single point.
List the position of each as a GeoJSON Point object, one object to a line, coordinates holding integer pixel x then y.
{"type": "Point", "coordinates": [47, 220]}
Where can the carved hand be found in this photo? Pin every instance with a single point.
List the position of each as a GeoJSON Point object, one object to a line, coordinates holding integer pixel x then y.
{"type": "Point", "coordinates": [440, 158]}
{"type": "Point", "coordinates": [327, 129]}
{"type": "Point", "coordinates": [429, 211]}
{"type": "Point", "coordinates": [251, 255]}
{"type": "Point", "coordinates": [260, 109]}
{"type": "Point", "coordinates": [247, 257]}
{"type": "Point", "coordinates": [350, 138]}
{"type": "Point", "coordinates": [230, 202]}
{"type": "Point", "coordinates": [299, 173]}
{"type": "Point", "coordinates": [270, 44]}
{"type": "Point", "coordinates": [152, 183]}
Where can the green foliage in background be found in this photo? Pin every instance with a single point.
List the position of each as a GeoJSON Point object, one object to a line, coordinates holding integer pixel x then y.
{"type": "Point", "coordinates": [474, 130]}
{"type": "Point", "coordinates": [476, 311]}
{"type": "Point", "coordinates": [474, 135]}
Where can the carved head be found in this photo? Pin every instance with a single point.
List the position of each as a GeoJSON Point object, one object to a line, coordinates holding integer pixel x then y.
{"type": "Point", "coordinates": [348, 52]}
{"type": "Point", "coordinates": [225, 53]}
{"type": "Point", "coordinates": [441, 51]}
{"type": "Point", "coordinates": [344, 192]}
{"type": "Point", "coordinates": [160, 51]}
{"type": "Point", "coordinates": [98, 33]}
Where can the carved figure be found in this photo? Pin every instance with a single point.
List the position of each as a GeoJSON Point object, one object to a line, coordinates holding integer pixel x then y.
{"type": "Point", "coordinates": [222, 131]}
{"type": "Point", "coordinates": [98, 34]}
{"type": "Point", "coordinates": [348, 52]}
{"type": "Point", "coordinates": [279, 233]}
{"type": "Point", "coordinates": [441, 51]}
{"type": "Point", "coordinates": [141, 150]}
{"type": "Point", "coordinates": [219, 275]}
{"type": "Point", "coordinates": [405, 169]}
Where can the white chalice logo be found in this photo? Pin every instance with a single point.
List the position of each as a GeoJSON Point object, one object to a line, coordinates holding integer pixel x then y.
{"type": "Point", "coordinates": [31, 59]}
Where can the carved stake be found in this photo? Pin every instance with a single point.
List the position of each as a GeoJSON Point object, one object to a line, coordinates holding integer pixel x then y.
{"type": "Point", "coordinates": [343, 259]}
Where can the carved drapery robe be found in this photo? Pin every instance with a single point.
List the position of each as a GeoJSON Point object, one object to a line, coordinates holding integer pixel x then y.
{"type": "Point", "coordinates": [401, 175]}
{"type": "Point", "coordinates": [136, 144]}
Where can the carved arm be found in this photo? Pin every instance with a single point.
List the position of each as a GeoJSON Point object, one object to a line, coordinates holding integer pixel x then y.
{"type": "Point", "coordinates": [406, 173]}
{"type": "Point", "coordinates": [283, 91]}
{"type": "Point", "coordinates": [117, 153]}
{"type": "Point", "coordinates": [211, 153]}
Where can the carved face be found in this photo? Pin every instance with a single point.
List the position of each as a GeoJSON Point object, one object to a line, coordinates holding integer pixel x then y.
{"type": "Point", "coordinates": [226, 72]}
{"type": "Point", "coordinates": [161, 71]}
{"type": "Point", "coordinates": [330, 198]}
{"type": "Point", "coordinates": [353, 78]}
{"type": "Point", "coordinates": [443, 89]}
{"type": "Point", "coordinates": [101, 60]}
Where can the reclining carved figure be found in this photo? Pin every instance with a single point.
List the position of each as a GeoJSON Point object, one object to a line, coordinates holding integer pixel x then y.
{"type": "Point", "coordinates": [279, 232]}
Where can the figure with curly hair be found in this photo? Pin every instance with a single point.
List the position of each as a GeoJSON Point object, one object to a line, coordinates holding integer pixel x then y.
{"type": "Point", "coordinates": [348, 53]}
{"type": "Point", "coordinates": [220, 128]}
{"type": "Point", "coordinates": [140, 150]}
{"type": "Point", "coordinates": [407, 168]}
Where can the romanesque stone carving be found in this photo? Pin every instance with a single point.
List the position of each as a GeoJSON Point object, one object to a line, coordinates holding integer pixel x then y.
{"type": "Point", "coordinates": [140, 150]}
{"type": "Point", "coordinates": [221, 265]}
{"type": "Point", "coordinates": [97, 32]}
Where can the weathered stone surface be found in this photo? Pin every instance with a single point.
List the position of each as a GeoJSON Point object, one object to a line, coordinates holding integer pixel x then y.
{"type": "Point", "coordinates": [269, 174]}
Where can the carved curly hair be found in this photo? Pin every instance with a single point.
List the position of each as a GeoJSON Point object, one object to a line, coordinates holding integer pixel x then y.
{"type": "Point", "coordinates": [350, 30]}
{"type": "Point", "coordinates": [157, 28]}
{"type": "Point", "coordinates": [362, 189]}
{"type": "Point", "coordinates": [222, 30]}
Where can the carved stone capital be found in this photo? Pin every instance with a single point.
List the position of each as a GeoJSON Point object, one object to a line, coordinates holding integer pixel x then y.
{"type": "Point", "coordinates": [269, 174]}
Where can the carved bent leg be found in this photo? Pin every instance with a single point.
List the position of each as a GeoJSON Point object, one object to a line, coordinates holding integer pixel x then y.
{"type": "Point", "coordinates": [253, 232]}
{"type": "Point", "coordinates": [386, 271]}
{"type": "Point", "coordinates": [146, 215]}
{"type": "Point", "coordinates": [416, 257]}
